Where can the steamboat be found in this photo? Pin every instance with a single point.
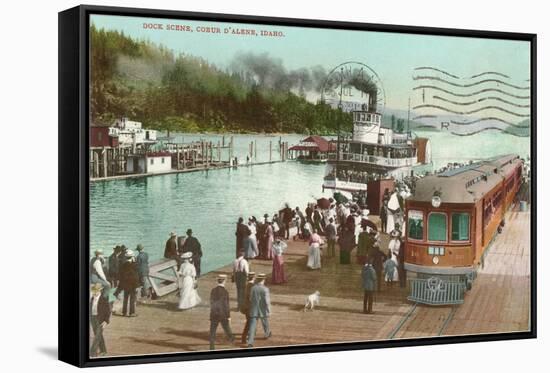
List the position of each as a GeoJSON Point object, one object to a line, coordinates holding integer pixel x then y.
{"type": "Point", "coordinates": [373, 153]}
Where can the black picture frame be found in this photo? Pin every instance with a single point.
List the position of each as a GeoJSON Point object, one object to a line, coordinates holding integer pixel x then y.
{"type": "Point", "coordinates": [74, 184]}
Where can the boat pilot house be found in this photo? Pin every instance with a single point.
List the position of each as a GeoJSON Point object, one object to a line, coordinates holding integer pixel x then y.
{"type": "Point", "coordinates": [450, 222]}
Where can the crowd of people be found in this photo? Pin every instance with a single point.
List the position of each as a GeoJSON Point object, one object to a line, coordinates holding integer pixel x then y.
{"type": "Point", "coordinates": [321, 225]}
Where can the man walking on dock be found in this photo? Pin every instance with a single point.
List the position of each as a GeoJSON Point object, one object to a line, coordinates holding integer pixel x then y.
{"type": "Point", "coordinates": [193, 245]}
{"type": "Point", "coordinates": [260, 307]}
{"type": "Point", "coordinates": [245, 307]}
{"type": "Point", "coordinates": [368, 275]}
{"type": "Point", "coordinates": [100, 314]}
{"type": "Point", "coordinates": [219, 311]}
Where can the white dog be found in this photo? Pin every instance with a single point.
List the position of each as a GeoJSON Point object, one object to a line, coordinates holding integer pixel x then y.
{"type": "Point", "coordinates": [312, 300]}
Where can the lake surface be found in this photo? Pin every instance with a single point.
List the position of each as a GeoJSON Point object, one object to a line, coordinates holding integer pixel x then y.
{"type": "Point", "coordinates": [146, 210]}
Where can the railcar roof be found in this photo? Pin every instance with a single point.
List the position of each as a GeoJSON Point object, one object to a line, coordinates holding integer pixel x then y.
{"type": "Point", "coordinates": [465, 184]}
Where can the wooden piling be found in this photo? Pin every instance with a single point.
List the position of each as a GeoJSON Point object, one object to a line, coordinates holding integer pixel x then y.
{"type": "Point", "coordinates": [270, 150]}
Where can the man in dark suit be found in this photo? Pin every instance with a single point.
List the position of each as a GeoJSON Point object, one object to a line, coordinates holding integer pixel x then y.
{"type": "Point", "coordinates": [287, 218]}
{"type": "Point", "coordinates": [219, 311]}
{"type": "Point", "coordinates": [260, 308]}
{"type": "Point", "coordinates": [100, 315]}
{"type": "Point", "coordinates": [129, 282]}
{"type": "Point", "coordinates": [171, 247]}
{"type": "Point", "coordinates": [245, 306]}
{"type": "Point", "coordinates": [368, 277]}
{"type": "Point", "coordinates": [240, 234]}
{"type": "Point", "coordinates": [194, 246]}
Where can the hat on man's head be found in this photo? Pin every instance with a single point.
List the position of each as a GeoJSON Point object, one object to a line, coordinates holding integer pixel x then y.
{"type": "Point", "coordinates": [96, 287]}
{"type": "Point", "coordinates": [266, 215]}
{"type": "Point", "coordinates": [98, 251]}
{"type": "Point", "coordinates": [139, 247]}
{"type": "Point", "coordinates": [251, 275]}
{"type": "Point", "coordinates": [394, 233]}
{"type": "Point", "coordinates": [261, 276]}
{"type": "Point", "coordinates": [186, 255]}
{"type": "Point", "coordinates": [189, 231]}
{"type": "Point", "coordinates": [129, 254]}
{"type": "Point", "coordinates": [221, 278]}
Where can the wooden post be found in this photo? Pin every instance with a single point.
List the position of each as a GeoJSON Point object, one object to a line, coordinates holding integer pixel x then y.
{"type": "Point", "coordinates": [219, 153]}
{"type": "Point", "coordinates": [255, 150]}
{"type": "Point", "coordinates": [269, 150]}
{"type": "Point", "coordinates": [104, 161]}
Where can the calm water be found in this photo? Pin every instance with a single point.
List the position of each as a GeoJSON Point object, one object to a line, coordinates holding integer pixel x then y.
{"type": "Point", "coordinates": [146, 210]}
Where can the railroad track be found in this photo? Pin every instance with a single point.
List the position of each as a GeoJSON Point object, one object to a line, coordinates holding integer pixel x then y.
{"type": "Point", "coordinates": [412, 310]}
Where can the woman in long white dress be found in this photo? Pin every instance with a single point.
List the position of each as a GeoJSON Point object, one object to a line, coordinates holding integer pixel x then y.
{"type": "Point", "coordinates": [189, 297]}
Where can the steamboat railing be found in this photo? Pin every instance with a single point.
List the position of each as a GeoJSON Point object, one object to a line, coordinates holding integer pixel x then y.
{"type": "Point", "coordinates": [375, 160]}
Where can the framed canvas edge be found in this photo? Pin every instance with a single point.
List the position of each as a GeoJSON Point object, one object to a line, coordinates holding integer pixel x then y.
{"type": "Point", "coordinates": [73, 216]}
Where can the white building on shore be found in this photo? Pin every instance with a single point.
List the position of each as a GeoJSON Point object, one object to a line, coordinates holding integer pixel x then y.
{"type": "Point", "coordinates": [131, 133]}
{"type": "Point", "coordinates": [149, 163]}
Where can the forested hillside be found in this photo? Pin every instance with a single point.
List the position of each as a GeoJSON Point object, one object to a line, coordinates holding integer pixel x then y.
{"type": "Point", "coordinates": [179, 92]}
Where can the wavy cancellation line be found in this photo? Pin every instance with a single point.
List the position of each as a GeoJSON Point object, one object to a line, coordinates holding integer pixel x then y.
{"type": "Point", "coordinates": [436, 78]}
{"type": "Point", "coordinates": [457, 77]}
{"type": "Point", "coordinates": [486, 129]}
{"type": "Point", "coordinates": [425, 106]}
{"type": "Point", "coordinates": [496, 119]}
{"type": "Point", "coordinates": [481, 100]}
{"type": "Point", "coordinates": [472, 93]}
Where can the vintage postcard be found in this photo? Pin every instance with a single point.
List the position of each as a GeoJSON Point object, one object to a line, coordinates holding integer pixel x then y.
{"type": "Point", "coordinates": [258, 185]}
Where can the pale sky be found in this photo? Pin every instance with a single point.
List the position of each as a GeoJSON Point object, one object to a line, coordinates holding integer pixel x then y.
{"type": "Point", "coordinates": [393, 56]}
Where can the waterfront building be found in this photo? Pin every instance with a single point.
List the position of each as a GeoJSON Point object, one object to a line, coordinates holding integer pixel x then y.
{"type": "Point", "coordinates": [131, 133]}
{"type": "Point", "coordinates": [312, 149]}
{"type": "Point", "coordinates": [157, 162]}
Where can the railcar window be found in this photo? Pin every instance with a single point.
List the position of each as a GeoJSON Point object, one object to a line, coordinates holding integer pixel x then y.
{"type": "Point", "coordinates": [437, 226]}
{"type": "Point", "coordinates": [416, 225]}
{"type": "Point", "coordinates": [460, 222]}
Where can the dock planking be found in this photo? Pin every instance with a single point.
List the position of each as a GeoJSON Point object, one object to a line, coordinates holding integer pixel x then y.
{"type": "Point", "coordinates": [498, 302]}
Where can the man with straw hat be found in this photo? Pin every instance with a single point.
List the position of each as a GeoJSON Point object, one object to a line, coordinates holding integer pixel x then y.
{"type": "Point", "coordinates": [245, 307]}
{"type": "Point", "coordinates": [100, 314]}
{"type": "Point", "coordinates": [260, 308]}
{"type": "Point", "coordinates": [97, 271]}
{"type": "Point", "coordinates": [219, 311]}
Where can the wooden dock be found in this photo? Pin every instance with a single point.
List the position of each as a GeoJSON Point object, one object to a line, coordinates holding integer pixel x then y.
{"type": "Point", "coordinates": [498, 302]}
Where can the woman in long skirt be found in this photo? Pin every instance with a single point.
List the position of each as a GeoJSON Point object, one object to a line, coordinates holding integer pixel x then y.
{"type": "Point", "coordinates": [278, 274]}
{"type": "Point", "coordinates": [250, 245]}
{"type": "Point", "coordinates": [189, 297]}
{"type": "Point", "coordinates": [314, 255]}
{"type": "Point", "coordinates": [268, 240]}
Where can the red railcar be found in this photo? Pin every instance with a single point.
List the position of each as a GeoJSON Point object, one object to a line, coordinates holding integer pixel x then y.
{"type": "Point", "coordinates": [450, 221]}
